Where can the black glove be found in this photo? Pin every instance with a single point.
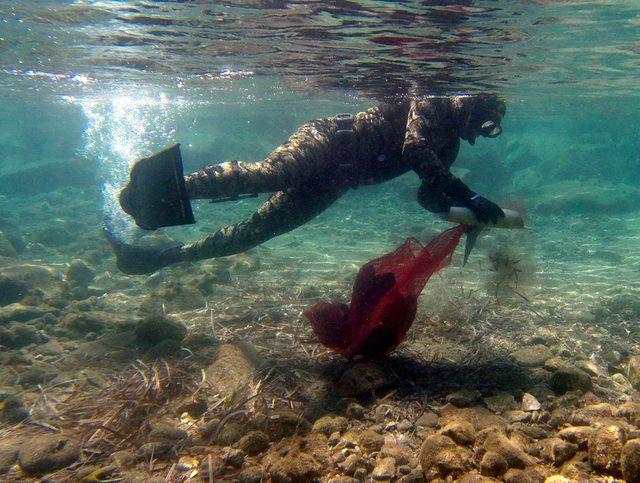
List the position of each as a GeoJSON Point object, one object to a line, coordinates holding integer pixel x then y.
{"type": "Point", "coordinates": [486, 211]}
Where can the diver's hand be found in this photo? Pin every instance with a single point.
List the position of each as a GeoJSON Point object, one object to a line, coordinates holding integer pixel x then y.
{"type": "Point", "coordinates": [486, 211]}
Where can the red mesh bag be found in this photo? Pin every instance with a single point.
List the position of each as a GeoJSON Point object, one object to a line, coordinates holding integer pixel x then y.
{"type": "Point", "coordinates": [384, 299]}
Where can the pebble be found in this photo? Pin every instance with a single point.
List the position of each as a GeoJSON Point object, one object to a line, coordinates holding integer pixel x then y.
{"type": "Point", "coordinates": [47, 453]}
{"type": "Point", "coordinates": [556, 479]}
{"type": "Point", "coordinates": [605, 446]}
{"type": "Point", "coordinates": [124, 458]}
{"type": "Point", "coordinates": [343, 479]}
{"type": "Point", "coordinates": [360, 474]}
{"type": "Point", "coordinates": [415, 476]}
{"type": "Point", "coordinates": [530, 403]}
{"type": "Point", "coordinates": [589, 367]}
{"type": "Point", "coordinates": [464, 398]}
{"type": "Point", "coordinates": [621, 380]}
{"type": "Point", "coordinates": [501, 402]}
{"type": "Point", "coordinates": [334, 439]}
{"type": "Point", "coordinates": [630, 460]}
{"type": "Point", "coordinates": [404, 426]}
{"type": "Point", "coordinates": [401, 454]}
{"type": "Point", "coordinates": [385, 469]}
{"type": "Point", "coordinates": [370, 441]}
{"type": "Point", "coordinates": [517, 416]}
{"type": "Point", "coordinates": [355, 411]}
{"type": "Point", "coordinates": [462, 432]}
{"type": "Point", "coordinates": [252, 474]}
{"type": "Point", "coordinates": [282, 423]}
{"type": "Point", "coordinates": [352, 463]}
{"type": "Point", "coordinates": [234, 457]}
{"type": "Point", "coordinates": [167, 432]}
{"type": "Point", "coordinates": [568, 378]}
{"type": "Point", "coordinates": [392, 426]}
{"type": "Point", "coordinates": [156, 449]}
{"type": "Point", "coordinates": [428, 420]}
{"type": "Point", "coordinates": [577, 435]}
{"type": "Point", "coordinates": [382, 412]}
{"type": "Point", "coordinates": [12, 410]}
{"type": "Point", "coordinates": [530, 475]}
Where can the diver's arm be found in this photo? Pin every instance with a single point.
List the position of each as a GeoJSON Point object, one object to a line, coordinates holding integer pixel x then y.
{"type": "Point", "coordinates": [439, 189]}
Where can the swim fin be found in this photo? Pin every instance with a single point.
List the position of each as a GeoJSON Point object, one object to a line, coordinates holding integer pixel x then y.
{"type": "Point", "coordinates": [137, 260]}
{"type": "Point", "coordinates": [156, 194]}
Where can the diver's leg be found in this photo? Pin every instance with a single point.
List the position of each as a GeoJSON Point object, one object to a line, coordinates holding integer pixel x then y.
{"type": "Point", "coordinates": [284, 211]}
{"type": "Point", "coordinates": [308, 153]}
{"type": "Point", "coordinates": [281, 213]}
{"type": "Point", "coordinates": [158, 194]}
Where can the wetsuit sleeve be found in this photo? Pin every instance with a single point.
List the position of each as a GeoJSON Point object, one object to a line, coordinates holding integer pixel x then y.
{"type": "Point", "coordinates": [439, 188]}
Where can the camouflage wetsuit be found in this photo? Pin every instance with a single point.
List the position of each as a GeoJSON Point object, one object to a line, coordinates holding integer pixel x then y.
{"type": "Point", "coordinates": [324, 158]}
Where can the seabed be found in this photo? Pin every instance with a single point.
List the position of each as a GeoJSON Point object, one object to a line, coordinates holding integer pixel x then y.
{"type": "Point", "coordinates": [519, 367]}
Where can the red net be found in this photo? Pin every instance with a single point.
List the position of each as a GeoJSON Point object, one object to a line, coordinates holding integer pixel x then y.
{"type": "Point", "coordinates": [384, 300]}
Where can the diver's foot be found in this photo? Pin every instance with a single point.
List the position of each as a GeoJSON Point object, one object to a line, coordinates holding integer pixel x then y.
{"type": "Point", "coordinates": [137, 260]}
{"type": "Point", "coordinates": [156, 194]}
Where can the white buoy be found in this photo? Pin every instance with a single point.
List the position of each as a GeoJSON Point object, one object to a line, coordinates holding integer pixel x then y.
{"type": "Point", "coordinates": [464, 216]}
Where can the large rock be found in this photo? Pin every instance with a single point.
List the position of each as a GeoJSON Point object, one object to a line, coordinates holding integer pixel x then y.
{"type": "Point", "coordinates": [493, 464]}
{"type": "Point", "coordinates": [24, 313]}
{"type": "Point", "coordinates": [44, 454]}
{"type": "Point", "coordinates": [572, 197]}
{"type": "Point", "coordinates": [497, 442]}
{"type": "Point", "coordinates": [633, 371]}
{"type": "Point", "coordinates": [158, 328]}
{"type": "Point", "coordinates": [253, 443]}
{"type": "Point", "coordinates": [605, 447]}
{"type": "Point", "coordinates": [370, 441]}
{"type": "Point", "coordinates": [630, 461]}
{"type": "Point", "coordinates": [365, 378]}
{"type": "Point", "coordinates": [6, 247]}
{"type": "Point", "coordinates": [19, 335]}
{"type": "Point", "coordinates": [298, 459]}
{"type": "Point", "coordinates": [34, 276]}
{"type": "Point", "coordinates": [569, 378]}
{"type": "Point", "coordinates": [47, 177]}
{"type": "Point", "coordinates": [439, 455]}
{"type": "Point", "coordinates": [80, 273]}
{"type": "Point", "coordinates": [330, 424]}
{"type": "Point", "coordinates": [534, 355]}
{"type": "Point", "coordinates": [8, 456]}
{"type": "Point", "coordinates": [12, 290]}
{"type": "Point", "coordinates": [12, 233]}
{"type": "Point", "coordinates": [233, 370]}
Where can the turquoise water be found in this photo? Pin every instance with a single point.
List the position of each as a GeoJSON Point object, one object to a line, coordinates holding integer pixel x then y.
{"type": "Point", "coordinates": [88, 87]}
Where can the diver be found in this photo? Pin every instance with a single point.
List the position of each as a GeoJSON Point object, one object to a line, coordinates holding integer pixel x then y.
{"type": "Point", "coordinates": [319, 163]}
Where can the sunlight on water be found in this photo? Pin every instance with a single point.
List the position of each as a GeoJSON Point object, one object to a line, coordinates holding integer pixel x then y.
{"type": "Point", "coordinates": [122, 128]}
